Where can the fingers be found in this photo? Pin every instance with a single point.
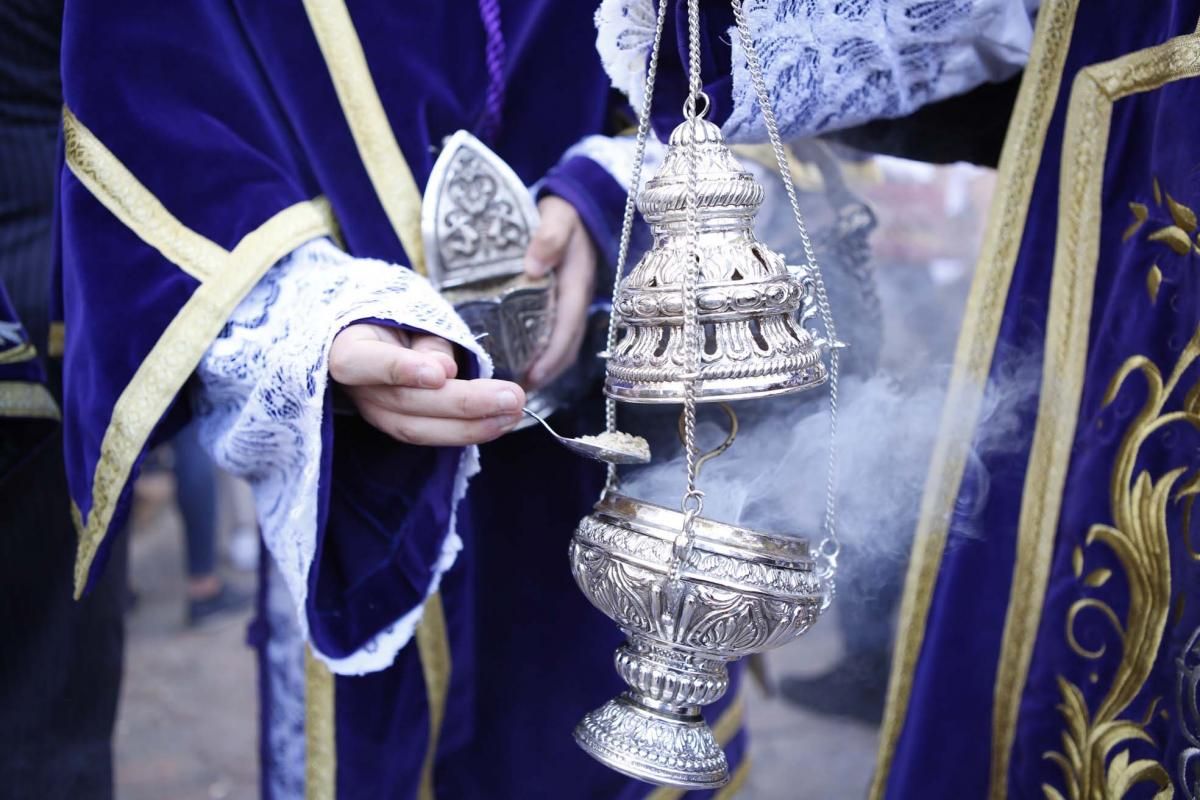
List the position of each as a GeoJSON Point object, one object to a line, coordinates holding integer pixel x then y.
{"type": "Point", "coordinates": [436, 431]}
{"type": "Point", "coordinates": [548, 246]}
{"type": "Point", "coordinates": [432, 432]}
{"type": "Point", "coordinates": [464, 400]}
{"type": "Point", "coordinates": [404, 386]}
{"type": "Point", "coordinates": [576, 281]}
{"type": "Point", "coordinates": [366, 354]}
{"type": "Point", "coordinates": [359, 357]}
{"type": "Point", "coordinates": [440, 349]}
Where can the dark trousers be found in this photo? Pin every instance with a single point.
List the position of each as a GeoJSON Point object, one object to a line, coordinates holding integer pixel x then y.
{"type": "Point", "coordinates": [60, 660]}
{"type": "Point", "coordinates": [196, 494]}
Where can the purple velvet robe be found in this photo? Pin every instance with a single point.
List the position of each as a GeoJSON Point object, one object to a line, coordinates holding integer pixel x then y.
{"type": "Point", "coordinates": [197, 137]}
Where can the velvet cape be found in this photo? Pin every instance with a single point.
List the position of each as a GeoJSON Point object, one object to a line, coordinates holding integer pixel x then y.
{"type": "Point", "coordinates": [204, 141]}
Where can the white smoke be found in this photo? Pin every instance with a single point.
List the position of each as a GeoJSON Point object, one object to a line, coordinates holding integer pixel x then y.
{"type": "Point", "coordinates": [773, 478]}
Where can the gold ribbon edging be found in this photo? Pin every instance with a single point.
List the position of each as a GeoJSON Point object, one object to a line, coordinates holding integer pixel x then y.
{"type": "Point", "coordinates": [1085, 146]}
{"type": "Point", "coordinates": [225, 278]}
{"type": "Point", "coordinates": [108, 180]}
{"type": "Point", "coordinates": [433, 646]}
{"type": "Point", "coordinates": [378, 149]}
{"type": "Point", "coordinates": [1023, 147]}
{"type": "Point", "coordinates": [320, 739]}
{"type": "Point", "coordinates": [28, 400]}
{"type": "Point", "coordinates": [175, 355]}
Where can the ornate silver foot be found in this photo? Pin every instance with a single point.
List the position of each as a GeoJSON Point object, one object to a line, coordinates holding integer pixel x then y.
{"type": "Point", "coordinates": [654, 745]}
{"type": "Point", "coordinates": [655, 732]}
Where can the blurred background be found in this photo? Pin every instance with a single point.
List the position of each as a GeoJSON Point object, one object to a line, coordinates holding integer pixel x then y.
{"type": "Point", "coordinates": [187, 725]}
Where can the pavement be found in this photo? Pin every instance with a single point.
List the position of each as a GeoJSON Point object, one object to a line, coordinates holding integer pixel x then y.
{"type": "Point", "coordinates": [187, 726]}
{"type": "Point", "coordinates": [187, 721]}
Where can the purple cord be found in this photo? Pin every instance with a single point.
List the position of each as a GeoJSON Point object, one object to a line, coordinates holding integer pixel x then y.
{"type": "Point", "coordinates": [489, 126]}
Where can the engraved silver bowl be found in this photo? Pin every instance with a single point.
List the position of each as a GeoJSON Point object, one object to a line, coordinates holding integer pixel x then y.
{"type": "Point", "coordinates": [737, 592]}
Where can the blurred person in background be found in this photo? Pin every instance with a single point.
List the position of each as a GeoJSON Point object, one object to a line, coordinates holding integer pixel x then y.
{"type": "Point", "coordinates": [60, 661]}
{"type": "Point", "coordinates": [207, 594]}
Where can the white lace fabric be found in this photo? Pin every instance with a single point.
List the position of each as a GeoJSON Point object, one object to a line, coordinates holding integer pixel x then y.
{"type": "Point", "coordinates": [615, 155]}
{"type": "Point", "coordinates": [260, 400]}
{"type": "Point", "coordinates": [831, 64]}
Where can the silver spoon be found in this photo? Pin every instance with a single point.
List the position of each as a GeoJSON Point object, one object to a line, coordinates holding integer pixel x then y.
{"type": "Point", "coordinates": [611, 452]}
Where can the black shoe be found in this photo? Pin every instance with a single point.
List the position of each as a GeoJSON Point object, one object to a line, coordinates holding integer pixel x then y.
{"type": "Point", "coordinates": [855, 688]}
{"type": "Point", "coordinates": [225, 602]}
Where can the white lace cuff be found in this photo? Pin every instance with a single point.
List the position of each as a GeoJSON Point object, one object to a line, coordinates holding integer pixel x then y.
{"type": "Point", "coordinates": [260, 400]}
{"type": "Point", "coordinates": [615, 155]}
{"type": "Point", "coordinates": [835, 65]}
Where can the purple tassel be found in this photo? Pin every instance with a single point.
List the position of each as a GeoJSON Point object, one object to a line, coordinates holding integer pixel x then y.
{"type": "Point", "coordinates": [489, 126]}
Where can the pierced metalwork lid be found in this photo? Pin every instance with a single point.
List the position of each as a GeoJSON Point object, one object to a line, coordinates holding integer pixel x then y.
{"type": "Point", "coordinates": [752, 308]}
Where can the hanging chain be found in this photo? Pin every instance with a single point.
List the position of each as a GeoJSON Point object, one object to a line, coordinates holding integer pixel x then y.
{"type": "Point", "coordinates": [830, 546]}
{"type": "Point", "coordinates": [693, 499]}
{"type": "Point", "coordinates": [643, 133]}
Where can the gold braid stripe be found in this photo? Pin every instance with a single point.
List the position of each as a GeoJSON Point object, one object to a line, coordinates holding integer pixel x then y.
{"type": "Point", "coordinates": [228, 277]}
{"type": "Point", "coordinates": [1085, 149]}
{"type": "Point", "coordinates": [175, 355]}
{"type": "Point", "coordinates": [725, 728]}
{"type": "Point", "coordinates": [18, 354]}
{"type": "Point", "coordinates": [57, 343]}
{"type": "Point", "coordinates": [373, 136]}
{"type": "Point", "coordinates": [320, 752]}
{"type": "Point", "coordinates": [1019, 162]}
{"type": "Point", "coordinates": [132, 203]}
{"type": "Point", "coordinates": [433, 646]}
{"type": "Point", "coordinates": [28, 400]}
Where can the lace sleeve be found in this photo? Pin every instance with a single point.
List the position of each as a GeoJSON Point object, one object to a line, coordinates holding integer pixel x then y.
{"type": "Point", "coordinates": [260, 399]}
{"type": "Point", "coordinates": [831, 65]}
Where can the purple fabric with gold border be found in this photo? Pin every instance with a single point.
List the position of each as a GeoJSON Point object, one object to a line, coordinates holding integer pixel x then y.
{"type": "Point", "coordinates": [1044, 619]}
{"type": "Point", "coordinates": [1051, 610]}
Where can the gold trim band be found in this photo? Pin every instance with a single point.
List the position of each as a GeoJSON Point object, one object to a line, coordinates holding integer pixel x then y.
{"type": "Point", "coordinates": [433, 646]}
{"type": "Point", "coordinates": [177, 352]}
{"type": "Point", "coordinates": [132, 203]}
{"type": "Point", "coordinates": [320, 737]}
{"type": "Point", "coordinates": [18, 354]}
{"type": "Point", "coordinates": [373, 135]}
{"type": "Point", "coordinates": [56, 343]}
{"type": "Point", "coordinates": [28, 400]}
{"type": "Point", "coordinates": [984, 311]}
{"type": "Point", "coordinates": [1085, 146]}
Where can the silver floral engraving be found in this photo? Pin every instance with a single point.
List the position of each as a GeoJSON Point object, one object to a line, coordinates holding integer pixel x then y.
{"type": "Point", "coordinates": [751, 306]}
{"type": "Point", "coordinates": [477, 216]}
{"type": "Point", "coordinates": [678, 752]}
{"type": "Point", "coordinates": [737, 593]}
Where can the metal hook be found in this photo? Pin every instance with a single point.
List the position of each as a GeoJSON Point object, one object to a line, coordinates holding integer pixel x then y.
{"type": "Point", "coordinates": [721, 448]}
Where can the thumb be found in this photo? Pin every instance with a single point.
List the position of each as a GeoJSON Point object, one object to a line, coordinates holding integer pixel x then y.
{"type": "Point", "coordinates": [548, 245]}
